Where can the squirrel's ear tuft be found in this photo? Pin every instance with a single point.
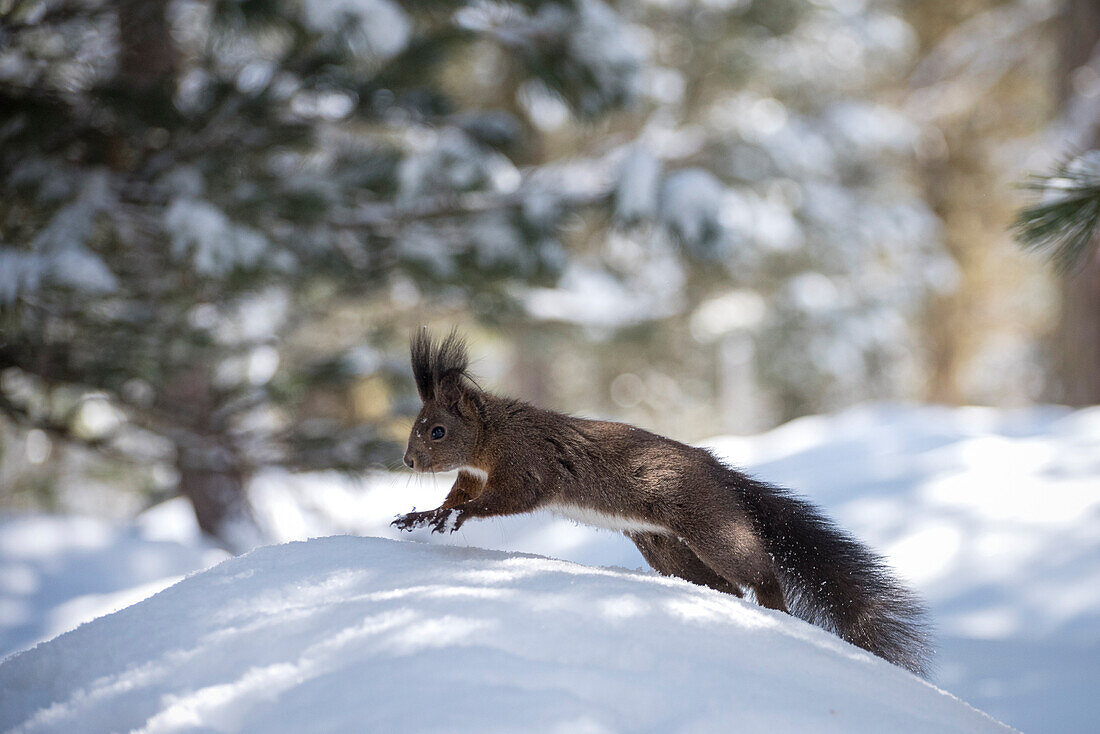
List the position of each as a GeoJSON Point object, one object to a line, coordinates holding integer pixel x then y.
{"type": "Point", "coordinates": [421, 349]}
{"type": "Point", "coordinates": [440, 370]}
{"type": "Point", "coordinates": [451, 357]}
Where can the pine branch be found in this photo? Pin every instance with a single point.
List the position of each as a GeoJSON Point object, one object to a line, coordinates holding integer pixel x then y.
{"type": "Point", "coordinates": [62, 430]}
{"type": "Point", "coordinates": [1065, 225]}
{"type": "Point", "coordinates": [382, 215]}
{"type": "Point", "coordinates": [20, 17]}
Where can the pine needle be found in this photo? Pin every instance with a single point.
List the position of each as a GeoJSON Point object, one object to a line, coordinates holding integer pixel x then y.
{"type": "Point", "coordinates": [1065, 224]}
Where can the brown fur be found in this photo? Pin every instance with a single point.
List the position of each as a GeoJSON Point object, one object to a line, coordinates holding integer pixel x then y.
{"type": "Point", "coordinates": [720, 528]}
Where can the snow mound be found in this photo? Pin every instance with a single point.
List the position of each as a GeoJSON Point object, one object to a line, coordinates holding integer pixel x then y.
{"type": "Point", "coordinates": [59, 571]}
{"type": "Point", "coordinates": [368, 634]}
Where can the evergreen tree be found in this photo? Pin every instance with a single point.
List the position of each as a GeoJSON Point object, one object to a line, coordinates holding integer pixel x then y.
{"type": "Point", "coordinates": [184, 183]}
{"type": "Point", "coordinates": [769, 207]}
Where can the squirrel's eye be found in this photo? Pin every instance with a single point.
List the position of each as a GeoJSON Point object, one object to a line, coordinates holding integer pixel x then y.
{"type": "Point", "coordinates": [438, 432]}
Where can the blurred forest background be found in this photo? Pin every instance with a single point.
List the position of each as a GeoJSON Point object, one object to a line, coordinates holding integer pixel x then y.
{"type": "Point", "coordinates": [220, 220]}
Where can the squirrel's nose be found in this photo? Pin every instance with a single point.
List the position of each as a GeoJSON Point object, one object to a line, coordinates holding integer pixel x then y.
{"type": "Point", "coordinates": [409, 459]}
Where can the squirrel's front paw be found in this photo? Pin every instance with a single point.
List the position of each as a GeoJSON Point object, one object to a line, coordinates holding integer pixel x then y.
{"type": "Point", "coordinates": [412, 520]}
{"type": "Point", "coordinates": [440, 520]}
{"type": "Point", "coordinates": [445, 520]}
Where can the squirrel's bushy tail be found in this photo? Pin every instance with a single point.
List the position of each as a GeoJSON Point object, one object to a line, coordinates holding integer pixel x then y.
{"type": "Point", "coordinates": [832, 580]}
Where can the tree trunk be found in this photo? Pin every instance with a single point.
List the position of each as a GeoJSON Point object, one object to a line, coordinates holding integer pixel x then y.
{"type": "Point", "coordinates": [1079, 329]}
{"type": "Point", "coordinates": [212, 474]}
{"type": "Point", "coordinates": [1079, 334]}
{"type": "Point", "coordinates": [147, 58]}
{"type": "Point", "coordinates": [215, 480]}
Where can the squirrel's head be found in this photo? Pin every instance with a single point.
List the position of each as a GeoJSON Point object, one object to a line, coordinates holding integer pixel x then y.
{"type": "Point", "coordinates": [446, 429]}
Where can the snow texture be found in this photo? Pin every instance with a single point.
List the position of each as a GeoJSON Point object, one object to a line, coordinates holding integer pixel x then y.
{"type": "Point", "coordinates": [56, 572]}
{"type": "Point", "coordinates": [638, 186]}
{"type": "Point", "coordinates": [58, 253]}
{"type": "Point", "coordinates": [590, 295]}
{"type": "Point", "coordinates": [366, 634]}
{"type": "Point", "coordinates": [608, 48]}
{"type": "Point", "coordinates": [382, 27]}
{"type": "Point", "coordinates": [204, 234]}
{"type": "Point", "coordinates": [690, 203]}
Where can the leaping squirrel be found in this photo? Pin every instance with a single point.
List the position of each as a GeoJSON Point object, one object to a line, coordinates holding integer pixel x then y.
{"type": "Point", "coordinates": [690, 515]}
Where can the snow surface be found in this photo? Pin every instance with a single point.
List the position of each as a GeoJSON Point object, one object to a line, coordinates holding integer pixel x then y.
{"type": "Point", "coordinates": [991, 515]}
{"type": "Point", "coordinates": [56, 572]}
{"type": "Point", "coordinates": [367, 634]}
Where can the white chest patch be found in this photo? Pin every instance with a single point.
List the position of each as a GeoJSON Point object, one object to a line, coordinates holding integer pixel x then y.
{"type": "Point", "coordinates": [598, 519]}
{"type": "Point", "coordinates": [479, 474]}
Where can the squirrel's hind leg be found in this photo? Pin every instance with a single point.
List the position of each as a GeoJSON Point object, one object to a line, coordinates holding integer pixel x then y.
{"type": "Point", "coordinates": [736, 553]}
{"type": "Point", "coordinates": [670, 556]}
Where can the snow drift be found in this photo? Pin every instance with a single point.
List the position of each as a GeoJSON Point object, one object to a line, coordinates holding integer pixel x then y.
{"type": "Point", "coordinates": [367, 634]}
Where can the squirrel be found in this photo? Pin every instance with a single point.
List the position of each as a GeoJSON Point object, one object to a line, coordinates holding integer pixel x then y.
{"type": "Point", "coordinates": [689, 514]}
